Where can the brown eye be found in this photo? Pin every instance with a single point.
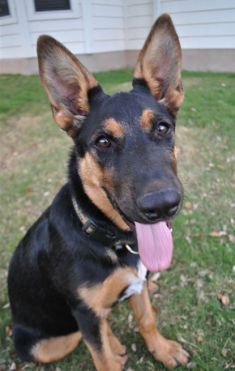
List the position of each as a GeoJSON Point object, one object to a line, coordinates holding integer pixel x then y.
{"type": "Point", "coordinates": [103, 142]}
{"type": "Point", "coordinates": [162, 128]}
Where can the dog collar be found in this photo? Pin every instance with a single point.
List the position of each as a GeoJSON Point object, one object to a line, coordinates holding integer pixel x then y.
{"type": "Point", "coordinates": [129, 248]}
{"type": "Point", "coordinates": [101, 234]}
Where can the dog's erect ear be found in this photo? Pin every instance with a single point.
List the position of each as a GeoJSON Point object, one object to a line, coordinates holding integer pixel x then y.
{"type": "Point", "coordinates": [67, 83]}
{"type": "Point", "coordinates": [159, 64]}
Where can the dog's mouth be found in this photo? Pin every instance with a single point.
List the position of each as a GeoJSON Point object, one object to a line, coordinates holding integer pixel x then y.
{"type": "Point", "coordinates": [155, 245]}
{"type": "Point", "coordinates": [155, 241]}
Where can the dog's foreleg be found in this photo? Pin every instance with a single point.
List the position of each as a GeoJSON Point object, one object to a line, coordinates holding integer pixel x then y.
{"type": "Point", "coordinates": [106, 359]}
{"type": "Point", "coordinates": [169, 352]}
{"type": "Point", "coordinates": [106, 350]}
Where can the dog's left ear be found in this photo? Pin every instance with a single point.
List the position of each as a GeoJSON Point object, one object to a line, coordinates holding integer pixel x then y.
{"type": "Point", "coordinates": [67, 83]}
{"type": "Point", "coordinates": [159, 64]}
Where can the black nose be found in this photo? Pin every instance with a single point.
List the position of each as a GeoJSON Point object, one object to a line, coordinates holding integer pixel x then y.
{"type": "Point", "coordinates": [161, 204]}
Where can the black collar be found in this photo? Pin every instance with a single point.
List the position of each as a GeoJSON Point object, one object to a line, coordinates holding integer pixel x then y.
{"type": "Point", "coordinates": [112, 237]}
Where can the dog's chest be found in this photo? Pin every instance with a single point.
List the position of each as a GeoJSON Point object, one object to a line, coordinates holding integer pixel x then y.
{"type": "Point", "coordinates": [136, 284]}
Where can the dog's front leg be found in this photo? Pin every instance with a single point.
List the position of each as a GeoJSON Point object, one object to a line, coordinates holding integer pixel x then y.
{"type": "Point", "coordinates": [95, 305]}
{"type": "Point", "coordinates": [105, 359]}
{"type": "Point", "coordinates": [100, 341]}
{"type": "Point", "coordinates": [169, 352]}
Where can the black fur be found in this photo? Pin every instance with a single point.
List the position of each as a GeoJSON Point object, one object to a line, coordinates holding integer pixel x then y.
{"type": "Point", "coordinates": [56, 256]}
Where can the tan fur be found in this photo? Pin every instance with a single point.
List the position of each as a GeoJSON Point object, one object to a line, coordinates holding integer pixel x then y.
{"type": "Point", "coordinates": [174, 159]}
{"type": "Point", "coordinates": [114, 128]}
{"type": "Point", "coordinates": [146, 120]}
{"type": "Point", "coordinates": [93, 179]}
{"type": "Point", "coordinates": [106, 359]}
{"type": "Point", "coordinates": [166, 351]}
{"type": "Point", "coordinates": [100, 297]}
{"type": "Point", "coordinates": [66, 82]}
{"type": "Point", "coordinates": [53, 349]}
{"type": "Point", "coordinates": [159, 64]}
{"type": "Point", "coordinates": [116, 346]}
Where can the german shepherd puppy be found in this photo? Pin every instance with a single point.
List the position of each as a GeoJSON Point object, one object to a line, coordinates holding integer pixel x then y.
{"type": "Point", "coordinates": [107, 226]}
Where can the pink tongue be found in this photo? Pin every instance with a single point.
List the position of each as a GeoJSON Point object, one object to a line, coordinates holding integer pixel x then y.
{"type": "Point", "coordinates": [155, 245]}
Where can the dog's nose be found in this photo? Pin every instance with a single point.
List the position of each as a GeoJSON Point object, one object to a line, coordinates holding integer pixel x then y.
{"type": "Point", "coordinates": [161, 204]}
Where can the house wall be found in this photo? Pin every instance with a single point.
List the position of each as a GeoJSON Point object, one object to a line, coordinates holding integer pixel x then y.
{"type": "Point", "coordinates": [19, 32]}
{"type": "Point", "coordinates": [107, 33]}
{"type": "Point", "coordinates": [206, 24]}
{"type": "Point", "coordinates": [201, 24]}
{"type": "Point", "coordinates": [140, 15]}
{"type": "Point", "coordinates": [206, 29]}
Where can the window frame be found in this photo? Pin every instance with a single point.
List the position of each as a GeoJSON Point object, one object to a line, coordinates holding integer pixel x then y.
{"type": "Point", "coordinates": [6, 15]}
{"type": "Point", "coordinates": [34, 15]}
{"type": "Point", "coordinates": [51, 10]}
{"type": "Point", "coordinates": [11, 18]}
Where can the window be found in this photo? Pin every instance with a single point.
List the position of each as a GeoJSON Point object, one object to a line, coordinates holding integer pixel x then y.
{"type": "Point", "coordinates": [4, 8]}
{"type": "Point", "coordinates": [48, 5]}
{"type": "Point", "coordinates": [38, 10]}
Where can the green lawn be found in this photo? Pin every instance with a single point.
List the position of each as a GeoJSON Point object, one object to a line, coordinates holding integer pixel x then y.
{"type": "Point", "coordinates": [196, 295]}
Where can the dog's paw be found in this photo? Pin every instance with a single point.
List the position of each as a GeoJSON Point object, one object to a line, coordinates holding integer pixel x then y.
{"type": "Point", "coordinates": [121, 359]}
{"type": "Point", "coordinates": [119, 351]}
{"type": "Point", "coordinates": [117, 347]}
{"type": "Point", "coordinates": [115, 363]}
{"type": "Point", "coordinates": [170, 353]}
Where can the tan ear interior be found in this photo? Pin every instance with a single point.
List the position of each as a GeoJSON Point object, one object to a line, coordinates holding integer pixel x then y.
{"type": "Point", "coordinates": [159, 63]}
{"type": "Point", "coordinates": [66, 82]}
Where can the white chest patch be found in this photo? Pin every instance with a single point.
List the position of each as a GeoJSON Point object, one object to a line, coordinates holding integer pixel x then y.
{"type": "Point", "coordinates": [136, 283]}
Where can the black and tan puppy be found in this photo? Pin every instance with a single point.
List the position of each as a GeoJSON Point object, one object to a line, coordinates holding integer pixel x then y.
{"type": "Point", "coordinates": [83, 254]}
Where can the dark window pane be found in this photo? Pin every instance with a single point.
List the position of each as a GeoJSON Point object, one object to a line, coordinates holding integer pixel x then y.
{"type": "Point", "coordinates": [45, 5]}
{"type": "Point", "coordinates": [4, 8]}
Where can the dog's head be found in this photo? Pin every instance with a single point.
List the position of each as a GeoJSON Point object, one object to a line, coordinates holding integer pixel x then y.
{"type": "Point", "coordinates": [124, 142]}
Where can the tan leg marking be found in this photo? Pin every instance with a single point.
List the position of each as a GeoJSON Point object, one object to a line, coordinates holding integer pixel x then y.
{"type": "Point", "coordinates": [107, 359]}
{"type": "Point", "coordinates": [152, 287]}
{"type": "Point", "coordinates": [100, 297]}
{"type": "Point", "coordinates": [116, 346]}
{"type": "Point", "coordinates": [169, 352]}
{"type": "Point", "coordinates": [55, 348]}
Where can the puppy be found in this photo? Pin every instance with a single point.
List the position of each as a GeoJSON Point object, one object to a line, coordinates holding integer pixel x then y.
{"type": "Point", "coordinates": [108, 225]}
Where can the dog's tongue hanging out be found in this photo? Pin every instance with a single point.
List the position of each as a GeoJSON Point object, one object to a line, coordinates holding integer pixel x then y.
{"type": "Point", "coordinates": [155, 245]}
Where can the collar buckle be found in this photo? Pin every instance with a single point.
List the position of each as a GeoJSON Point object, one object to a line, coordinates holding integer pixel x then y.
{"type": "Point", "coordinates": [94, 231]}
{"type": "Point", "coordinates": [98, 233]}
{"type": "Point", "coordinates": [89, 227]}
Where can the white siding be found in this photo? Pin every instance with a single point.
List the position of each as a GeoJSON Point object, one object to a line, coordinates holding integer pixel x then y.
{"type": "Point", "coordinates": [139, 18]}
{"type": "Point", "coordinates": [108, 25]}
{"type": "Point", "coordinates": [94, 26]}
{"type": "Point", "coordinates": [66, 26]}
{"type": "Point", "coordinates": [11, 39]}
{"type": "Point", "coordinates": [18, 39]}
{"type": "Point", "coordinates": [203, 24]}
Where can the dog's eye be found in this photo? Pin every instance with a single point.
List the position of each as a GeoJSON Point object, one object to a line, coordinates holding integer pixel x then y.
{"type": "Point", "coordinates": [162, 128]}
{"type": "Point", "coordinates": [103, 142]}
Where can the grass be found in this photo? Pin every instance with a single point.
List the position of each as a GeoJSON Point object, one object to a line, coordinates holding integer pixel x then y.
{"type": "Point", "coordinates": [196, 295]}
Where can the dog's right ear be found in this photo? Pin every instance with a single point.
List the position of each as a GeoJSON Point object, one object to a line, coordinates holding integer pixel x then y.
{"type": "Point", "coordinates": [67, 83]}
{"type": "Point", "coordinates": [159, 64]}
